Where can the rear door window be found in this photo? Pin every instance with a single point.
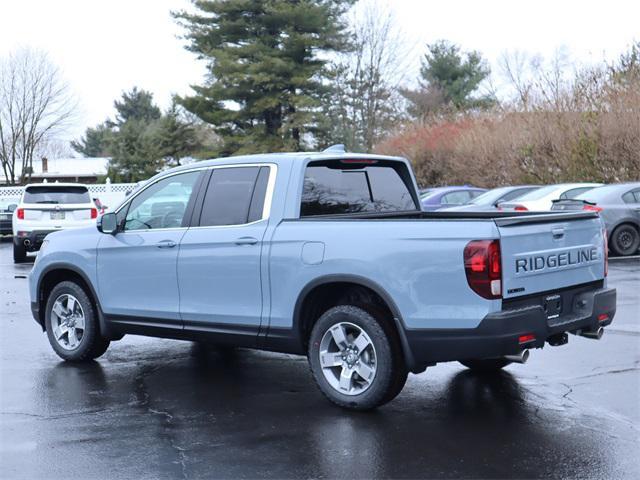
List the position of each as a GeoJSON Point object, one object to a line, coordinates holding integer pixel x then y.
{"type": "Point", "coordinates": [56, 195]}
{"type": "Point", "coordinates": [632, 197]}
{"type": "Point", "coordinates": [331, 190]}
{"type": "Point", "coordinates": [235, 196]}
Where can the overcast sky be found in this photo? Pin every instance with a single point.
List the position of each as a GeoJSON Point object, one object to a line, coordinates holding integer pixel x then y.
{"type": "Point", "coordinates": [105, 47]}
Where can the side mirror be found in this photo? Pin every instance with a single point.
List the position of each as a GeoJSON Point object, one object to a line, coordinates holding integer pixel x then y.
{"type": "Point", "coordinates": [108, 223]}
{"type": "Point", "coordinates": [12, 207]}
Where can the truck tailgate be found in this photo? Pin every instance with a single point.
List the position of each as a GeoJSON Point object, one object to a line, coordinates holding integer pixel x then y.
{"type": "Point", "coordinates": [550, 251]}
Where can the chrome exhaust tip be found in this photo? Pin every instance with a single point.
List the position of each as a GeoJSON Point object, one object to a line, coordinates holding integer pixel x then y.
{"type": "Point", "coordinates": [521, 357]}
{"type": "Point", "coordinates": [594, 334]}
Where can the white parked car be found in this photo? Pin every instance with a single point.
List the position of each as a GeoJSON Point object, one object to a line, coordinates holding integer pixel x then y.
{"type": "Point", "coordinates": [46, 208]}
{"type": "Point", "coordinates": [542, 198]}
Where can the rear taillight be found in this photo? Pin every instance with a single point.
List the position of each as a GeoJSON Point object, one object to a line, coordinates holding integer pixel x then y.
{"type": "Point", "coordinates": [483, 267]}
{"type": "Point", "coordinates": [94, 213]}
{"type": "Point", "coordinates": [606, 252]}
{"type": "Point", "coordinates": [521, 208]}
{"type": "Point", "coordinates": [20, 213]}
{"type": "Point", "coordinates": [591, 208]}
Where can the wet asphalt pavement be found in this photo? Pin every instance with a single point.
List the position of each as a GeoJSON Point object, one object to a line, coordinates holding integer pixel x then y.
{"type": "Point", "coordinates": [153, 408]}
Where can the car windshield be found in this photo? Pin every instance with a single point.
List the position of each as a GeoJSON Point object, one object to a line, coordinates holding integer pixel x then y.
{"type": "Point", "coordinates": [426, 193]}
{"type": "Point", "coordinates": [490, 197]}
{"type": "Point", "coordinates": [56, 194]}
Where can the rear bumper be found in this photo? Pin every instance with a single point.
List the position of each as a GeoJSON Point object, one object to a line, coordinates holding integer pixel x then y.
{"type": "Point", "coordinates": [498, 333]}
{"type": "Point", "coordinates": [32, 241]}
{"type": "Point", "coordinates": [5, 226]}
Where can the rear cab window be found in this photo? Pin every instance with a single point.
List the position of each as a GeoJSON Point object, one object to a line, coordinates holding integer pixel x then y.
{"type": "Point", "coordinates": [333, 187]}
{"type": "Point", "coordinates": [56, 195]}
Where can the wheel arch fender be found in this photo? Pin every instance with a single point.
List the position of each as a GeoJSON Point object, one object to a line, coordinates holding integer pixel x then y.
{"type": "Point", "coordinates": [356, 280]}
{"type": "Point", "coordinates": [64, 271]}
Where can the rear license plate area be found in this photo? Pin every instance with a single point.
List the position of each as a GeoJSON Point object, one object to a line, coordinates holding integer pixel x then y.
{"type": "Point", "coordinates": [552, 306]}
{"type": "Point", "coordinates": [57, 215]}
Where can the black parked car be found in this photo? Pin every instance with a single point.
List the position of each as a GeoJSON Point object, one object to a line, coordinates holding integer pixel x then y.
{"type": "Point", "coordinates": [7, 206]}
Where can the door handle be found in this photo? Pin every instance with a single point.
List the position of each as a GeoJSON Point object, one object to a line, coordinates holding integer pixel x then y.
{"type": "Point", "coordinates": [166, 244]}
{"type": "Point", "coordinates": [557, 232]}
{"type": "Point", "coordinates": [246, 241]}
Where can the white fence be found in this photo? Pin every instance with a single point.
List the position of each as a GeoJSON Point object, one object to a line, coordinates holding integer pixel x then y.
{"type": "Point", "coordinates": [110, 194]}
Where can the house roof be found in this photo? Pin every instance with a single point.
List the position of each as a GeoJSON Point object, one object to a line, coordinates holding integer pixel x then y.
{"type": "Point", "coordinates": [68, 167]}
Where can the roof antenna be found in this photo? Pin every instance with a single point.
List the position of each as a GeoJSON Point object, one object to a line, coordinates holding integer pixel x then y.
{"type": "Point", "coordinates": [337, 148]}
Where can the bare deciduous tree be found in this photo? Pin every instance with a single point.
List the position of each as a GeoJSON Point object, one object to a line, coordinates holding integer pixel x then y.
{"type": "Point", "coordinates": [366, 103]}
{"type": "Point", "coordinates": [35, 106]}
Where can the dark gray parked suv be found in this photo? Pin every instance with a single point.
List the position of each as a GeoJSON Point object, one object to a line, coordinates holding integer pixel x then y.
{"type": "Point", "coordinates": [619, 207]}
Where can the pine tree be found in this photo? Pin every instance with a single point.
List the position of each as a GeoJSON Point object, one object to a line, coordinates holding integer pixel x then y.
{"type": "Point", "coordinates": [176, 137]}
{"type": "Point", "coordinates": [95, 142]}
{"type": "Point", "coordinates": [135, 154]}
{"type": "Point", "coordinates": [141, 141]}
{"type": "Point", "coordinates": [136, 105]}
{"type": "Point", "coordinates": [449, 79]}
{"type": "Point", "coordinates": [266, 71]}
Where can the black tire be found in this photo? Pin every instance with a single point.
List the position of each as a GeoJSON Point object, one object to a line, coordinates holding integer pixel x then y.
{"type": "Point", "coordinates": [92, 345]}
{"type": "Point", "coordinates": [19, 253]}
{"type": "Point", "coordinates": [625, 240]}
{"type": "Point", "coordinates": [391, 373]}
{"type": "Point", "coordinates": [486, 364]}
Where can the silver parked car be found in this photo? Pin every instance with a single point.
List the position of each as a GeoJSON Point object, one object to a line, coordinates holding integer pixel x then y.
{"type": "Point", "coordinates": [491, 199]}
{"type": "Point", "coordinates": [619, 207]}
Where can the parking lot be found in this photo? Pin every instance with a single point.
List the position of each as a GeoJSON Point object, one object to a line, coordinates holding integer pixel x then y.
{"type": "Point", "coordinates": [152, 408]}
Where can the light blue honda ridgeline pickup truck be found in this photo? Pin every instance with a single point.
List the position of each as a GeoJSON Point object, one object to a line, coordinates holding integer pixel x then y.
{"type": "Point", "coordinates": [326, 255]}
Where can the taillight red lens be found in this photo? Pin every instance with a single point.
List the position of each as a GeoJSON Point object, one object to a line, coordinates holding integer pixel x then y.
{"type": "Point", "coordinates": [94, 213]}
{"type": "Point", "coordinates": [483, 267]}
{"type": "Point", "coordinates": [521, 208]}
{"type": "Point", "coordinates": [529, 337]}
{"type": "Point", "coordinates": [592, 208]}
{"type": "Point", "coordinates": [20, 214]}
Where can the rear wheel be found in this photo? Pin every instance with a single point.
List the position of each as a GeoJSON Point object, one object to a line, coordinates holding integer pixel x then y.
{"type": "Point", "coordinates": [353, 360]}
{"type": "Point", "coordinates": [486, 364]}
{"type": "Point", "coordinates": [72, 324]}
{"type": "Point", "coordinates": [19, 253]}
{"type": "Point", "coordinates": [625, 240]}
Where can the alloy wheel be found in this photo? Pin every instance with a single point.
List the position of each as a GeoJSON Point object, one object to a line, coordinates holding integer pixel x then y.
{"type": "Point", "coordinates": [348, 358]}
{"type": "Point", "coordinates": [67, 321]}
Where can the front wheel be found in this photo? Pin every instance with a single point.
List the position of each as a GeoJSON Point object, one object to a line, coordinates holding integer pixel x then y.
{"type": "Point", "coordinates": [72, 324]}
{"type": "Point", "coordinates": [354, 361]}
{"type": "Point", "coordinates": [486, 364]}
{"type": "Point", "coordinates": [625, 240]}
